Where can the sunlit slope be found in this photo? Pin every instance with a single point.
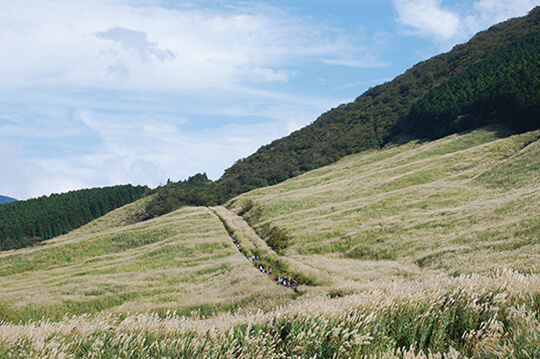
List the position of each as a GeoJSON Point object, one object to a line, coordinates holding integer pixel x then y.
{"type": "Point", "coordinates": [465, 203]}
{"type": "Point", "coordinates": [183, 261]}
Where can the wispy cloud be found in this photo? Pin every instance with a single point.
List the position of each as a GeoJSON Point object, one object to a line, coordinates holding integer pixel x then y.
{"type": "Point", "coordinates": [493, 11]}
{"type": "Point", "coordinates": [150, 47]}
{"type": "Point", "coordinates": [447, 23]}
{"type": "Point", "coordinates": [355, 62]}
{"type": "Point", "coordinates": [25, 178]}
{"type": "Point", "coordinates": [428, 18]}
{"type": "Point", "coordinates": [137, 43]}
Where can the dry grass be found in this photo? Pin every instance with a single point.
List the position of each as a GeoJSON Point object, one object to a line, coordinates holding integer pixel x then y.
{"type": "Point", "coordinates": [183, 261]}
{"type": "Point", "coordinates": [467, 316]}
{"type": "Point", "coordinates": [406, 246]}
{"type": "Point", "coordinates": [467, 203]}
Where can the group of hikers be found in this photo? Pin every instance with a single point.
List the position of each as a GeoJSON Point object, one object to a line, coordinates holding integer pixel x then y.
{"type": "Point", "coordinates": [289, 283]}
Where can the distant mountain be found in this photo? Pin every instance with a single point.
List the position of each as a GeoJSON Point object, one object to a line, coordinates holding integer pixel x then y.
{"type": "Point", "coordinates": [5, 199]}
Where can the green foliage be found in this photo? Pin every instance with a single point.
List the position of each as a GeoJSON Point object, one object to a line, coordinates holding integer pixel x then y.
{"type": "Point", "coordinates": [276, 238]}
{"type": "Point", "coordinates": [251, 212]}
{"type": "Point", "coordinates": [497, 71]}
{"type": "Point", "coordinates": [247, 206]}
{"type": "Point", "coordinates": [504, 89]}
{"type": "Point", "coordinates": [26, 223]}
{"type": "Point", "coordinates": [197, 190]}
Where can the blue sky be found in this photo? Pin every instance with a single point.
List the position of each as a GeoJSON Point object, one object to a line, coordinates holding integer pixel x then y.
{"type": "Point", "coordinates": [98, 93]}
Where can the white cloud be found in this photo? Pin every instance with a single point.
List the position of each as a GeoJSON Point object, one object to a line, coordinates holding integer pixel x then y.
{"type": "Point", "coordinates": [352, 62]}
{"type": "Point", "coordinates": [137, 43]}
{"type": "Point", "coordinates": [428, 17]}
{"type": "Point", "coordinates": [488, 12]}
{"type": "Point", "coordinates": [90, 90]}
{"type": "Point", "coordinates": [100, 44]}
{"type": "Point", "coordinates": [24, 178]}
{"type": "Point", "coordinates": [137, 149]}
{"type": "Point", "coordinates": [144, 150]}
{"type": "Point", "coordinates": [447, 23]}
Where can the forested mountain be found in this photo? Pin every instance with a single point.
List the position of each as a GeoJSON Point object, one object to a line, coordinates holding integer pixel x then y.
{"type": "Point", "coordinates": [504, 90]}
{"type": "Point", "coordinates": [28, 222]}
{"type": "Point", "coordinates": [492, 79]}
{"type": "Point", "coordinates": [5, 199]}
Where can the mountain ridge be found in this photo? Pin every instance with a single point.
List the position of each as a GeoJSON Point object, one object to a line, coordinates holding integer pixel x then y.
{"type": "Point", "coordinates": [390, 112]}
{"type": "Point", "coordinates": [373, 118]}
{"type": "Point", "coordinates": [6, 199]}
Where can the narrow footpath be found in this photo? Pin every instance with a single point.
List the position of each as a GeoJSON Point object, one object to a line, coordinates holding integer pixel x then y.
{"type": "Point", "coordinates": [255, 249]}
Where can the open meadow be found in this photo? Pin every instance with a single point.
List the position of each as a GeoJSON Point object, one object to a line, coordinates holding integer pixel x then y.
{"type": "Point", "coordinates": [468, 203]}
{"type": "Point", "coordinates": [424, 250]}
{"type": "Point", "coordinates": [183, 261]}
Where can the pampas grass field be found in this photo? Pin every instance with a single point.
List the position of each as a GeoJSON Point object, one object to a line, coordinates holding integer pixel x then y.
{"type": "Point", "coordinates": [424, 250]}
{"type": "Point", "coordinates": [463, 317]}
{"type": "Point", "coordinates": [183, 261]}
{"type": "Point", "coordinates": [467, 203]}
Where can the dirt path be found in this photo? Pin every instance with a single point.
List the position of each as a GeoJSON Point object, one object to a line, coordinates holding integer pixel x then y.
{"type": "Point", "coordinates": [246, 236]}
{"type": "Point", "coordinates": [251, 245]}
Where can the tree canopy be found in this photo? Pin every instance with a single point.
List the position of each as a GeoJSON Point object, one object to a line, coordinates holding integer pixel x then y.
{"type": "Point", "coordinates": [29, 222]}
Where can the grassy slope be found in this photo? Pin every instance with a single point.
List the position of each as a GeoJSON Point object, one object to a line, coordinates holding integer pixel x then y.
{"type": "Point", "coordinates": [385, 229]}
{"type": "Point", "coordinates": [466, 203]}
{"type": "Point", "coordinates": [182, 261]}
{"type": "Point", "coordinates": [463, 204]}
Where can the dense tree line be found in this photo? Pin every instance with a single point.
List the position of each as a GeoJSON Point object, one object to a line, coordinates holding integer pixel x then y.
{"type": "Point", "coordinates": [504, 89]}
{"type": "Point", "coordinates": [28, 222]}
{"type": "Point", "coordinates": [197, 190]}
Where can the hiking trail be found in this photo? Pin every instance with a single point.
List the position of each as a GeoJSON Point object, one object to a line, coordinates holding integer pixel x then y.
{"type": "Point", "coordinates": [255, 249]}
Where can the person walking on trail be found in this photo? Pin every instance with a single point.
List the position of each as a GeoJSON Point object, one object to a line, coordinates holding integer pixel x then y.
{"type": "Point", "coordinates": [269, 270]}
{"type": "Point", "coordinates": [294, 285]}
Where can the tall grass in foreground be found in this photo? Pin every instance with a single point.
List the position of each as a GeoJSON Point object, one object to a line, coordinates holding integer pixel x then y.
{"type": "Point", "coordinates": [468, 316]}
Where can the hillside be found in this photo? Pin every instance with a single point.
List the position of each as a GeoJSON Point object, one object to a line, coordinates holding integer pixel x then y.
{"type": "Point", "coordinates": [492, 79]}
{"type": "Point", "coordinates": [183, 261]}
{"type": "Point", "coordinates": [5, 199]}
{"type": "Point", "coordinates": [427, 247]}
{"type": "Point", "coordinates": [26, 223]}
{"type": "Point", "coordinates": [467, 203]}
